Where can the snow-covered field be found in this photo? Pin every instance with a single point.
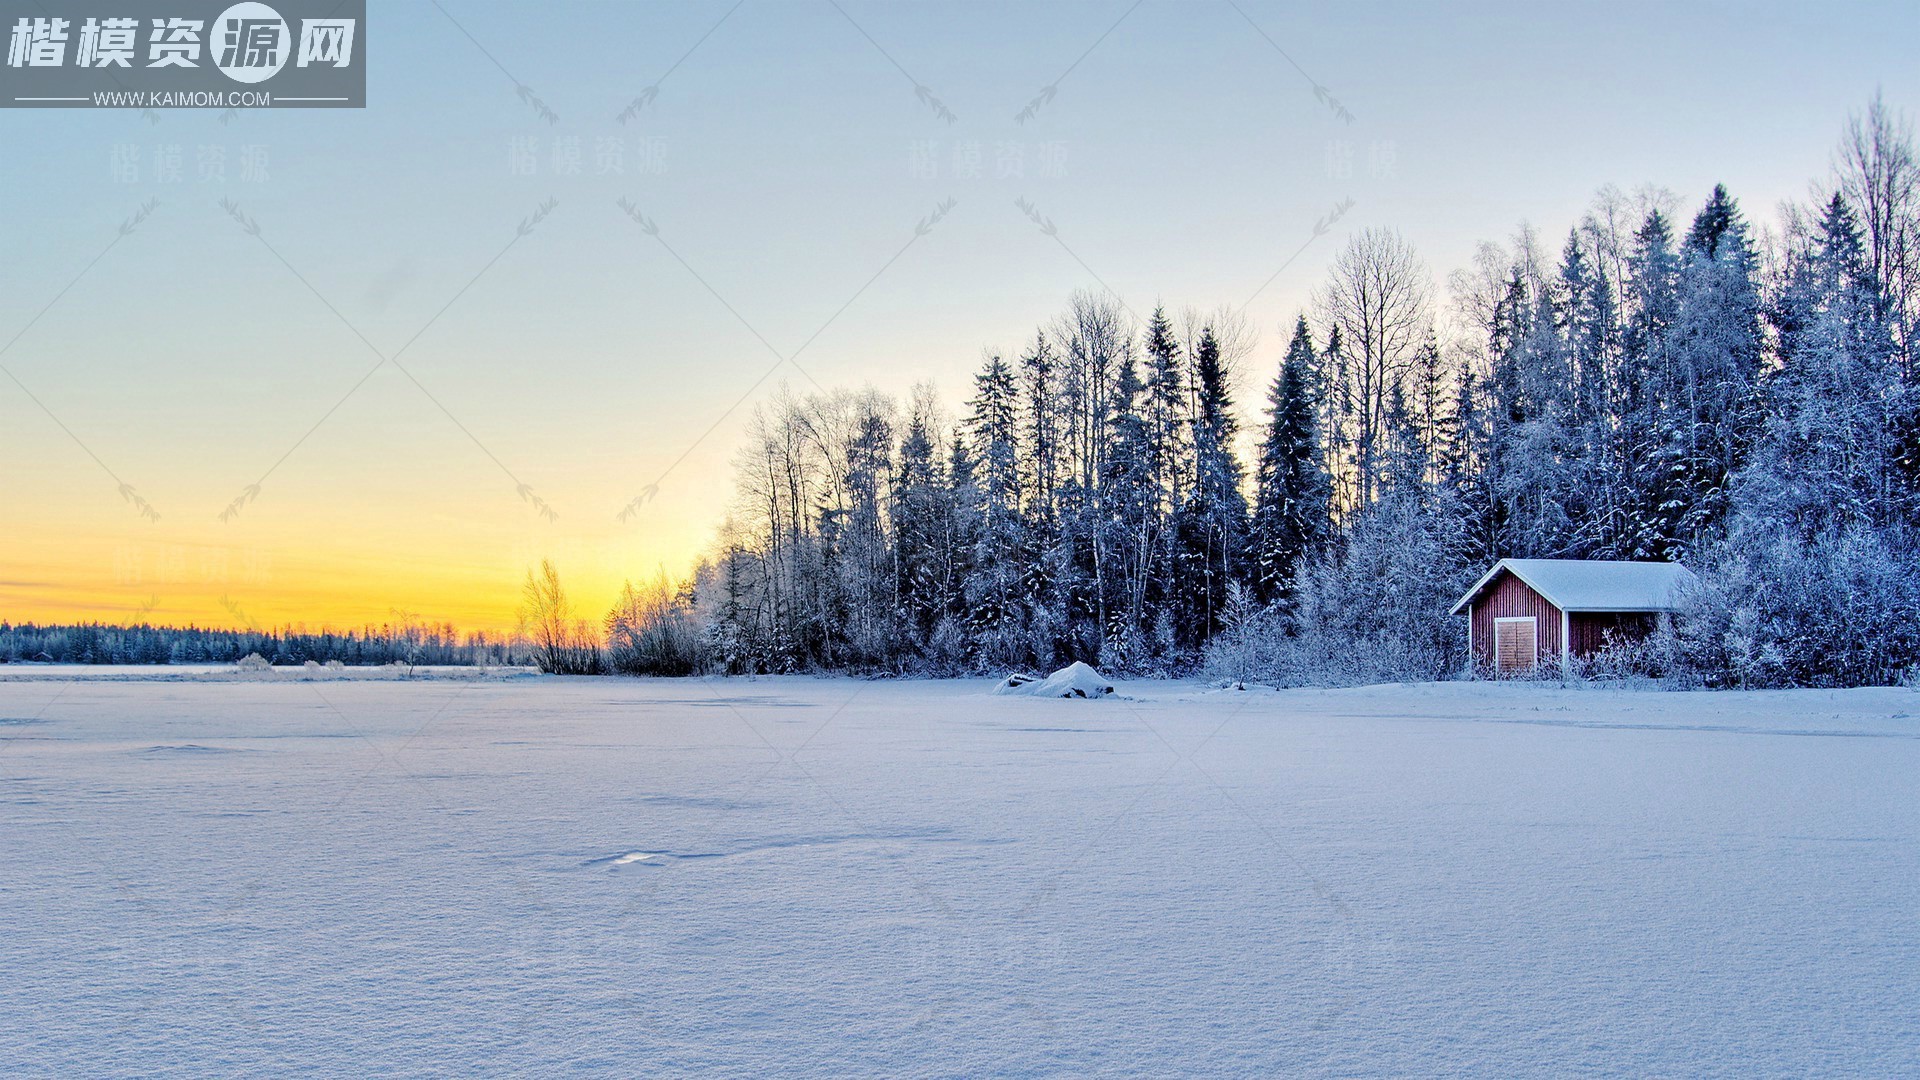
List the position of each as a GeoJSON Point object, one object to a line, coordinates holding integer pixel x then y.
{"type": "Point", "coordinates": [803, 876]}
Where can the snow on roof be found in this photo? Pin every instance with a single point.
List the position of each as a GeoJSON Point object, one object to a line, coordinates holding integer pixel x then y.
{"type": "Point", "coordinates": [1592, 584]}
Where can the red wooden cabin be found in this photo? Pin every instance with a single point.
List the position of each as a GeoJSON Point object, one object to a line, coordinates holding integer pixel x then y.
{"type": "Point", "coordinates": [1526, 612]}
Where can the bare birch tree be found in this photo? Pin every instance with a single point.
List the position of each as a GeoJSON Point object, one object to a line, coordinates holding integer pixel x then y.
{"type": "Point", "coordinates": [1877, 172]}
{"type": "Point", "coordinates": [1378, 297]}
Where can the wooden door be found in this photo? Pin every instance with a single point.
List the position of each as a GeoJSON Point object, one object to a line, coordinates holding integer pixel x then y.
{"type": "Point", "coordinates": [1515, 644]}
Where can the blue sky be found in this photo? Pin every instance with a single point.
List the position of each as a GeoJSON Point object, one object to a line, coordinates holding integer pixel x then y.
{"type": "Point", "coordinates": [786, 160]}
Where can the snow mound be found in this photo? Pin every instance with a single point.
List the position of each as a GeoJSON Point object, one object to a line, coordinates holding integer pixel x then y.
{"type": "Point", "coordinates": [1076, 680]}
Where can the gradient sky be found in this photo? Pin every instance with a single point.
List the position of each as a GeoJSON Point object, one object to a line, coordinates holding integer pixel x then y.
{"type": "Point", "coordinates": [1183, 159]}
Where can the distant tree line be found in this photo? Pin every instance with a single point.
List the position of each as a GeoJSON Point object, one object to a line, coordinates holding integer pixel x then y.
{"type": "Point", "coordinates": [403, 643]}
{"type": "Point", "coordinates": [1742, 399]}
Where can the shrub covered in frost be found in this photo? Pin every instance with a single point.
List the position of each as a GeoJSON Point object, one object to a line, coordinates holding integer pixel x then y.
{"type": "Point", "coordinates": [1841, 609]}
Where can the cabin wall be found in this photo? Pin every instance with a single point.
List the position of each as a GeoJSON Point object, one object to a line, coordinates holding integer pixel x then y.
{"type": "Point", "coordinates": [1509, 597]}
{"type": "Point", "coordinates": [1591, 629]}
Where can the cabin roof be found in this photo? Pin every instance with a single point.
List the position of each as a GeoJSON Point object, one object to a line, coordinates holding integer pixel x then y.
{"type": "Point", "coordinates": [1591, 584]}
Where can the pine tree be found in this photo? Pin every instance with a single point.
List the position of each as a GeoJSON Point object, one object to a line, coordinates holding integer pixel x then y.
{"type": "Point", "coordinates": [1291, 516]}
{"type": "Point", "coordinates": [1130, 531]}
{"type": "Point", "coordinates": [1165, 415]}
{"type": "Point", "coordinates": [920, 504]}
{"type": "Point", "coordinates": [1051, 584]}
{"type": "Point", "coordinates": [1213, 521]}
{"type": "Point", "coordinates": [957, 546]}
{"type": "Point", "coordinates": [1828, 457]}
{"type": "Point", "coordinates": [1717, 340]}
{"type": "Point", "coordinates": [1715, 220]}
{"type": "Point", "coordinates": [1514, 411]}
{"type": "Point", "coordinates": [1463, 469]}
{"type": "Point", "coordinates": [1332, 392]}
{"type": "Point", "coordinates": [999, 564]}
{"type": "Point", "coordinates": [861, 552]}
{"type": "Point", "coordinates": [1164, 410]}
{"type": "Point", "coordinates": [1038, 369]}
{"type": "Point", "coordinates": [1651, 440]}
{"type": "Point", "coordinates": [1593, 357]}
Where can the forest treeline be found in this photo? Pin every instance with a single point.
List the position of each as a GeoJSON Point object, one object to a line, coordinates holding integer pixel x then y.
{"type": "Point", "coordinates": [1656, 382]}
{"type": "Point", "coordinates": [401, 642]}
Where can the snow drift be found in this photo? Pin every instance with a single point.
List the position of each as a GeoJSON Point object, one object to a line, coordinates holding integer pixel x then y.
{"type": "Point", "coordinates": [1076, 680]}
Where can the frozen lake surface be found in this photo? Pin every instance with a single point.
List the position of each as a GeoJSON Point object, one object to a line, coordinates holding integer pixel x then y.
{"type": "Point", "coordinates": [813, 876]}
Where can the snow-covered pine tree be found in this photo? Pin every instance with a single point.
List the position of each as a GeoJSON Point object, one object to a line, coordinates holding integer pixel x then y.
{"type": "Point", "coordinates": [1213, 520]}
{"type": "Point", "coordinates": [860, 628]}
{"type": "Point", "coordinates": [921, 499]}
{"type": "Point", "coordinates": [1717, 340]}
{"type": "Point", "coordinates": [1039, 378]}
{"type": "Point", "coordinates": [1826, 458]}
{"type": "Point", "coordinates": [1050, 584]}
{"type": "Point", "coordinates": [1537, 452]}
{"type": "Point", "coordinates": [996, 585]}
{"type": "Point", "coordinates": [1164, 410]}
{"type": "Point", "coordinates": [1291, 516]}
{"type": "Point", "coordinates": [1130, 531]}
{"type": "Point", "coordinates": [1463, 467]}
{"type": "Point", "coordinates": [952, 643]}
{"type": "Point", "coordinates": [1334, 395]}
{"type": "Point", "coordinates": [1593, 355]}
{"type": "Point", "coordinates": [1651, 435]}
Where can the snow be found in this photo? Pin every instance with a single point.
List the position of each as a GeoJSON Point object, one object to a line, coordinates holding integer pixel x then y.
{"type": "Point", "coordinates": [1593, 584]}
{"type": "Point", "coordinates": [833, 877]}
{"type": "Point", "coordinates": [1076, 680]}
